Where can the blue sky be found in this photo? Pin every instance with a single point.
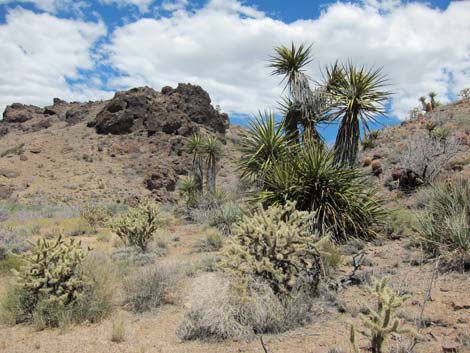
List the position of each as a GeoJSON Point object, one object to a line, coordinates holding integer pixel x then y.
{"type": "Point", "coordinates": [86, 50]}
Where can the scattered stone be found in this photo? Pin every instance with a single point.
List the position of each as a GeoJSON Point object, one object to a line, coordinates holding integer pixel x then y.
{"type": "Point", "coordinates": [35, 150]}
{"type": "Point", "coordinates": [10, 174]}
{"type": "Point", "coordinates": [5, 191]}
{"type": "Point", "coordinates": [23, 158]}
{"type": "Point", "coordinates": [461, 305]}
{"type": "Point", "coordinates": [450, 348]}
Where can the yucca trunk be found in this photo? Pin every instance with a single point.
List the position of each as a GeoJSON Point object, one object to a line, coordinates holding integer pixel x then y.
{"type": "Point", "coordinates": [211, 175]}
{"type": "Point", "coordinates": [291, 124]}
{"type": "Point", "coordinates": [198, 174]}
{"type": "Point", "coordinates": [347, 140]}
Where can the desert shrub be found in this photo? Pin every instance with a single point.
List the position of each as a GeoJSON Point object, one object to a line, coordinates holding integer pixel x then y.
{"type": "Point", "coordinates": [118, 333]}
{"type": "Point", "coordinates": [95, 215]}
{"type": "Point", "coordinates": [10, 262]}
{"type": "Point", "coordinates": [54, 286]}
{"type": "Point", "coordinates": [219, 311]}
{"type": "Point", "coordinates": [225, 216]}
{"type": "Point", "coordinates": [11, 241]}
{"type": "Point", "coordinates": [212, 241]}
{"type": "Point", "coordinates": [341, 201]}
{"type": "Point", "coordinates": [428, 157]}
{"type": "Point", "coordinates": [148, 288]}
{"type": "Point", "coordinates": [445, 224]}
{"type": "Point", "coordinates": [367, 143]}
{"type": "Point", "coordinates": [138, 226]}
{"type": "Point", "coordinates": [135, 257]}
{"type": "Point", "coordinates": [277, 246]}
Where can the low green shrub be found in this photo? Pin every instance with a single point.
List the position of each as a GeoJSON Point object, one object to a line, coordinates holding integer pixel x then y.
{"type": "Point", "coordinates": [225, 216]}
{"type": "Point", "coordinates": [212, 241]}
{"type": "Point", "coordinates": [277, 246]}
{"type": "Point", "coordinates": [55, 286]}
{"type": "Point", "coordinates": [138, 226]}
{"type": "Point", "coordinates": [95, 215]}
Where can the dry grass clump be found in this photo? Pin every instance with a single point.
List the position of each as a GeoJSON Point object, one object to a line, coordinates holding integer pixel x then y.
{"type": "Point", "coordinates": [218, 311]}
{"type": "Point", "coordinates": [445, 224]}
{"type": "Point", "coordinates": [212, 241]}
{"type": "Point", "coordinates": [148, 288]}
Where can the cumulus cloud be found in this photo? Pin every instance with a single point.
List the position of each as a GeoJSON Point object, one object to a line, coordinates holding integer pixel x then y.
{"type": "Point", "coordinates": [42, 57]}
{"type": "Point", "coordinates": [224, 45]}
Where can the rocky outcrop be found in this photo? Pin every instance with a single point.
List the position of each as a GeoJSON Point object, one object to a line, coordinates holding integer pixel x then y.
{"type": "Point", "coordinates": [160, 180]}
{"type": "Point", "coordinates": [20, 113]}
{"type": "Point", "coordinates": [176, 111]}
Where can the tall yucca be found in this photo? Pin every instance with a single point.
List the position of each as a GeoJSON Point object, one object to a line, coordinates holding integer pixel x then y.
{"type": "Point", "coordinates": [213, 151]}
{"type": "Point", "coordinates": [195, 147]}
{"type": "Point", "coordinates": [357, 97]}
{"type": "Point", "coordinates": [339, 199]}
{"type": "Point", "coordinates": [262, 144]}
{"type": "Point", "coordinates": [306, 104]}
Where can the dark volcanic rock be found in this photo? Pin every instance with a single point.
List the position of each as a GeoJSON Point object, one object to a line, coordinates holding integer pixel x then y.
{"type": "Point", "coordinates": [161, 178]}
{"type": "Point", "coordinates": [19, 113]}
{"type": "Point", "coordinates": [173, 111]}
{"type": "Point", "coordinates": [5, 191]}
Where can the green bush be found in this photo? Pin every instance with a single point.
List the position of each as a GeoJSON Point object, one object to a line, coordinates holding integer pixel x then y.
{"type": "Point", "coordinates": [212, 241]}
{"type": "Point", "coordinates": [341, 201]}
{"type": "Point", "coordinates": [138, 226]}
{"type": "Point", "coordinates": [95, 216]}
{"type": "Point", "coordinates": [54, 286]}
{"type": "Point", "coordinates": [445, 223]}
{"type": "Point", "coordinates": [225, 216]}
{"type": "Point", "coordinates": [277, 246]}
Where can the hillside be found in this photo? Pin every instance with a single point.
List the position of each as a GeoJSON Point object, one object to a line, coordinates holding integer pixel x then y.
{"type": "Point", "coordinates": [129, 146]}
{"type": "Point", "coordinates": [58, 160]}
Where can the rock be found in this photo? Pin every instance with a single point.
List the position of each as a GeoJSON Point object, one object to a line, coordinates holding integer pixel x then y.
{"type": "Point", "coordinates": [19, 113]}
{"type": "Point", "coordinates": [35, 149]}
{"type": "Point", "coordinates": [160, 178]}
{"type": "Point", "coordinates": [10, 174]}
{"type": "Point", "coordinates": [4, 130]}
{"type": "Point", "coordinates": [450, 348]}
{"type": "Point", "coordinates": [23, 158]}
{"type": "Point", "coordinates": [460, 305]}
{"type": "Point", "coordinates": [173, 111]}
{"type": "Point", "coordinates": [409, 180]}
{"type": "Point", "coordinates": [5, 191]}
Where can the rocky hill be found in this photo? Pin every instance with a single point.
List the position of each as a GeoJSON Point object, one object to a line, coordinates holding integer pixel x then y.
{"type": "Point", "coordinates": [130, 145]}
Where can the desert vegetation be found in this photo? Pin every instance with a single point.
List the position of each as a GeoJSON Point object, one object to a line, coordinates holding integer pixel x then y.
{"type": "Point", "coordinates": [263, 236]}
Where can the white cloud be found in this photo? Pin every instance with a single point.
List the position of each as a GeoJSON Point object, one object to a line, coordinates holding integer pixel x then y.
{"type": "Point", "coordinates": [39, 52]}
{"type": "Point", "coordinates": [224, 46]}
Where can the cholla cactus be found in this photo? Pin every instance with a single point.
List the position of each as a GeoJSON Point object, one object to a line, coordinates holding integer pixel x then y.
{"type": "Point", "coordinates": [276, 245]}
{"type": "Point", "coordinates": [52, 272]}
{"type": "Point", "coordinates": [137, 227]}
{"type": "Point", "coordinates": [95, 216]}
{"type": "Point", "coordinates": [382, 321]}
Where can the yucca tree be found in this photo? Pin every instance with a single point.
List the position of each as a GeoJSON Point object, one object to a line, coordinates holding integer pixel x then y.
{"type": "Point", "coordinates": [341, 203]}
{"type": "Point", "coordinates": [357, 97]}
{"type": "Point", "coordinates": [213, 151]}
{"type": "Point", "coordinates": [432, 96]}
{"type": "Point", "coordinates": [306, 105]}
{"type": "Point", "coordinates": [196, 148]}
{"type": "Point", "coordinates": [262, 144]}
{"type": "Point", "coordinates": [188, 190]}
{"type": "Point", "coordinates": [422, 99]}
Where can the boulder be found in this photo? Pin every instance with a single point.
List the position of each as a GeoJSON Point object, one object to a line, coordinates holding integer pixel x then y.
{"type": "Point", "coordinates": [5, 191]}
{"type": "Point", "coordinates": [409, 180]}
{"type": "Point", "coordinates": [19, 113]}
{"type": "Point", "coordinates": [176, 111]}
{"type": "Point", "coordinates": [160, 178]}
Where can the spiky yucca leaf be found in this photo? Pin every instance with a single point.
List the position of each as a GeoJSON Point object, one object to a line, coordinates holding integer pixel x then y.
{"type": "Point", "coordinates": [195, 147]}
{"type": "Point", "coordinates": [262, 144]}
{"type": "Point", "coordinates": [341, 202]}
{"type": "Point", "coordinates": [213, 151]}
{"type": "Point", "coordinates": [357, 97]}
